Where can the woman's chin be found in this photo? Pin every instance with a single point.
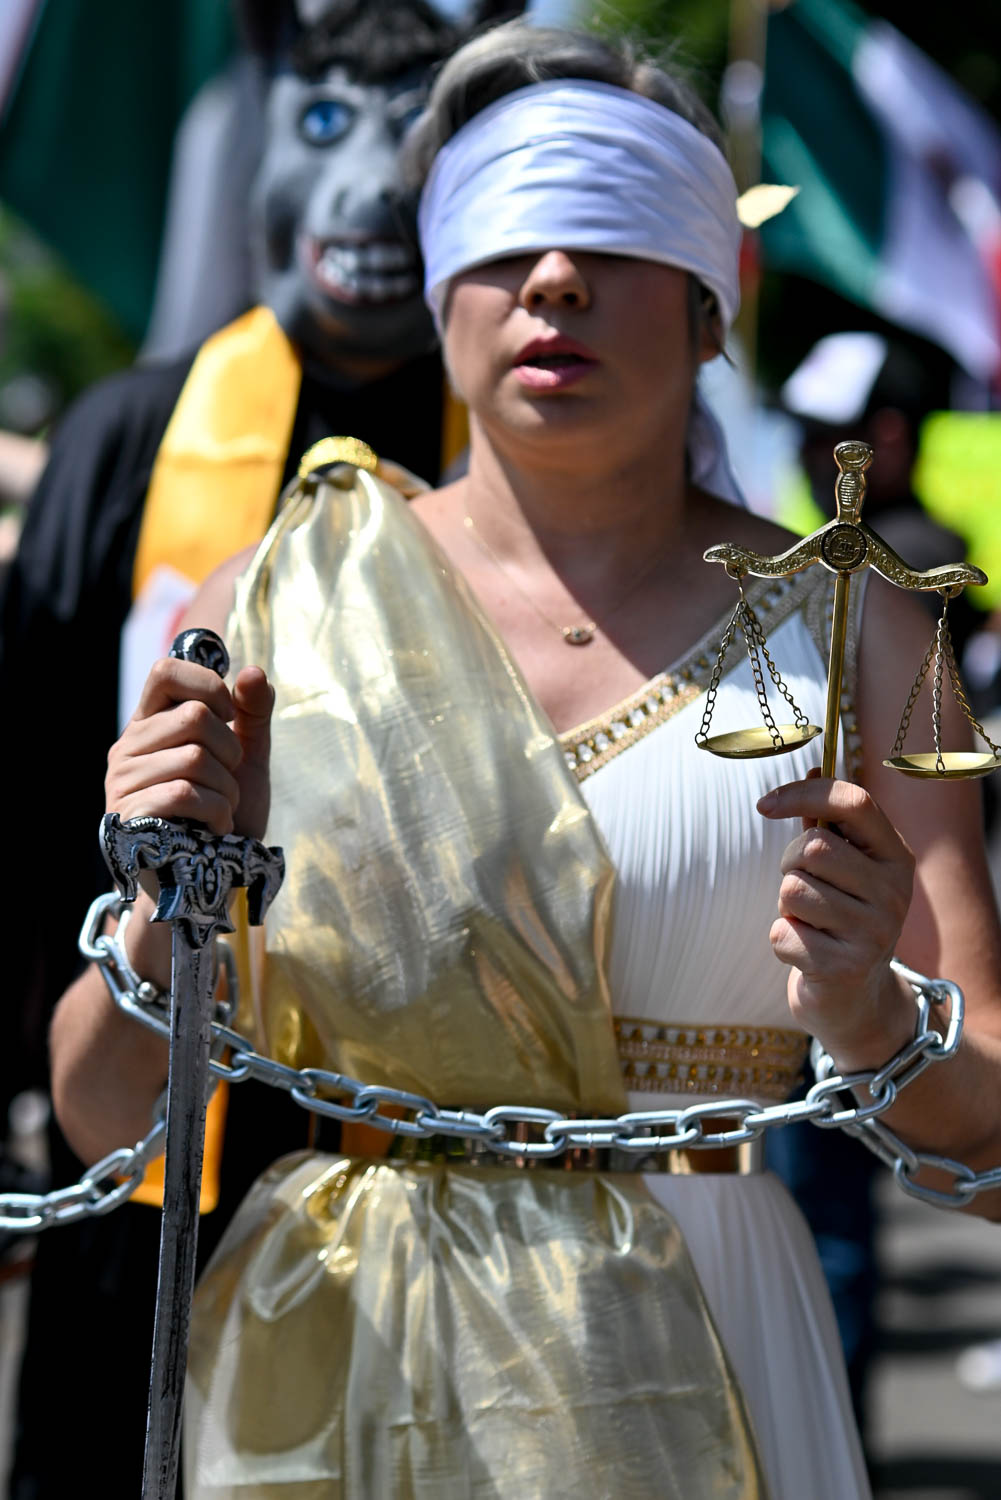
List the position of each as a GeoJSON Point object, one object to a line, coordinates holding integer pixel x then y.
{"type": "Point", "coordinates": [540, 428]}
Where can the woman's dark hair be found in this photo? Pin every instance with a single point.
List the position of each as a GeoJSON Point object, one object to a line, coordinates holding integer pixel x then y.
{"type": "Point", "coordinates": [514, 55]}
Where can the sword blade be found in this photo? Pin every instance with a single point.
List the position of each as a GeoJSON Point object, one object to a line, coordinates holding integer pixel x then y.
{"type": "Point", "coordinates": [187, 1096]}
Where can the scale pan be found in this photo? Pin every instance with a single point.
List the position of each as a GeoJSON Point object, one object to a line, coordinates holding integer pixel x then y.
{"type": "Point", "coordinates": [751, 744]}
{"type": "Point", "coordinates": [959, 765]}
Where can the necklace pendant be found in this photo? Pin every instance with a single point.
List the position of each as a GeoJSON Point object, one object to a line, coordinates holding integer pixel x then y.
{"type": "Point", "coordinates": [578, 635]}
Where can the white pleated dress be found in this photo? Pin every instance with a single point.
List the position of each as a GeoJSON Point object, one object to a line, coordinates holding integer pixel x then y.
{"type": "Point", "coordinates": [698, 876]}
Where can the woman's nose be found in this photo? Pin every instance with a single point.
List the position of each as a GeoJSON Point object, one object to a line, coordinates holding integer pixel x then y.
{"type": "Point", "coordinates": [555, 279]}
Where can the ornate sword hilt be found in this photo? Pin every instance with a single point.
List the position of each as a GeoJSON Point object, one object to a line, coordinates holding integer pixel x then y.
{"type": "Point", "coordinates": [196, 870]}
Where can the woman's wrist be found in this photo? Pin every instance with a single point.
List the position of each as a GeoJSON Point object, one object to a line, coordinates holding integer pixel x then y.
{"type": "Point", "coordinates": [878, 1029]}
{"type": "Point", "coordinates": [147, 944]}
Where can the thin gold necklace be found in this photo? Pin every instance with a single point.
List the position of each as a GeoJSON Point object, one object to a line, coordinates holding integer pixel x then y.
{"type": "Point", "coordinates": [573, 635]}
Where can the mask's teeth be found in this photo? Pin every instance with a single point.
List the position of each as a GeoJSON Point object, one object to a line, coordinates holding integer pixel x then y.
{"type": "Point", "coordinates": [359, 270]}
{"type": "Point", "coordinates": [385, 256]}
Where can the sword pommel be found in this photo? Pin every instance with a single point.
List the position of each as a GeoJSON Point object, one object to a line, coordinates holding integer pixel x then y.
{"type": "Point", "coordinates": [203, 647]}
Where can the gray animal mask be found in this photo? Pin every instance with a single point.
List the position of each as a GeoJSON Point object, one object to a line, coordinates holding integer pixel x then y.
{"type": "Point", "coordinates": [335, 242]}
{"type": "Point", "coordinates": [334, 239]}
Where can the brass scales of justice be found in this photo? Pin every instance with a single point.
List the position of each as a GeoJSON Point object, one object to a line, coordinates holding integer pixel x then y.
{"type": "Point", "coordinates": [845, 545]}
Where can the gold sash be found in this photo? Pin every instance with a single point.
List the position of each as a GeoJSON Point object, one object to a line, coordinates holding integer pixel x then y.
{"type": "Point", "coordinates": [220, 464]}
{"type": "Point", "coordinates": [219, 467]}
{"type": "Point", "coordinates": [212, 492]}
{"type": "Point", "coordinates": [482, 948]}
{"type": "Point", "coordinates": [427, 1331]}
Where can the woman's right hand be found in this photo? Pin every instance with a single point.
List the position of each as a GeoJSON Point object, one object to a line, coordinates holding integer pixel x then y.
{"type": "Point", "coordinates": [195, 749]}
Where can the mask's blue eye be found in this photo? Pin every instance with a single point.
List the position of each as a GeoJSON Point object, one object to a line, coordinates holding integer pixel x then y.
{"type": "Point", "coordinates": [325, 121]}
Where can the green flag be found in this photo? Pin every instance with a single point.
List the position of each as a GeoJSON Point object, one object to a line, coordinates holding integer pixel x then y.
{"type": "Point", "coordinates": [86, 138]}
{"type": "Point", "coordinates": [900, 178]}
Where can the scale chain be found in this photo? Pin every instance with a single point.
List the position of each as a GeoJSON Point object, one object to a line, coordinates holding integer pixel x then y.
{"type": "Point", "coordinates": [799, 716]}
{"type": "Point", "coordinates": [756, 641]}
{"type": "Point", "coordinates": [107, 1184]}
{"type": "Point", "coordinates": [959, 693]}
{"type": "Point", "coordinates": [752, 630]}
{"type": "Point", "coordinates": [912, 698]}
{"type": "Point", "coordinates": [939, 659]}
{"type": "Point", "coordinates": [756, 645]}
{"type": "Point", "coordinates": [717, 673]}
{"type": "Point", "coordinates": [941, 636]}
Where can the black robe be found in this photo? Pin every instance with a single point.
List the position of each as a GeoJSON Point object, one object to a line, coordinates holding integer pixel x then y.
{"type": "Point", "coordinates": [66, 598]}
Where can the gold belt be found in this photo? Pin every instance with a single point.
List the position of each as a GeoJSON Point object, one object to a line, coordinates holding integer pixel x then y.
{"type": "Point", "coordinates": [683, 1161]}
{"type": "Point", "coordinates": [688, 1057]}
{"type": "Point", "coordinates": [677, 1057]}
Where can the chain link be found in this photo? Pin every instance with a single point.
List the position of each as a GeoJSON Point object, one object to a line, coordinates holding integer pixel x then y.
{"type": "Point", "coordinates": [830, 1103]}
{"type": "Point", "coordinates": [103, 1187]}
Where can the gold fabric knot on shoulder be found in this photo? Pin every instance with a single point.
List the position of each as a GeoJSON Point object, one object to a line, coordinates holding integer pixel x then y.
{"type": "Point", "coordinates": [337, 450]}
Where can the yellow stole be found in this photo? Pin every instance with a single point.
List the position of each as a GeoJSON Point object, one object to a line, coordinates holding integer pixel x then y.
{"type": "Point", "coordinates": [215, 482]}
{"type": "Point", "coordinates": [217, 474]}
{"type": "Point", "coordinates": [219, 467]}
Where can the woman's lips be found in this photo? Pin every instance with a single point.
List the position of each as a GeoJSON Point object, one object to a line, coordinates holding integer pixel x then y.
{"type": "Point", "coordinates": [553, 364]}
{"type": "Point", "coordinates": [553, 377]}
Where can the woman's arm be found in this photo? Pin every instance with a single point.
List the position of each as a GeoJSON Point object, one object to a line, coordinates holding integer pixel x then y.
{"type": "Point", "coordinates": [192, 749]}
{"type": "Point", "coordinates": [847, 903]}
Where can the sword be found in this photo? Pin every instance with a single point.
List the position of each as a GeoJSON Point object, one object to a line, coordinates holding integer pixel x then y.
{"type": "Point", "coordinates": [196, 871]}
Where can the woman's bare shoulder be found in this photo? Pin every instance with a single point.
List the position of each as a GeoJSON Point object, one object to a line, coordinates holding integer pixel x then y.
{"type": "Point", "coordinates": [432, 504]}
{"type": "Point", "coordinates": [723, 522]}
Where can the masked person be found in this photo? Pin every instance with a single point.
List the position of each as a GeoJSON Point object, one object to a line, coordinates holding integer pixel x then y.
{"type": "Point", "coordinates": [158, 474]}
{"type": "Point", "coordinates": [155, 476]}
{"type": "Point", "coordinates": [514, 879]}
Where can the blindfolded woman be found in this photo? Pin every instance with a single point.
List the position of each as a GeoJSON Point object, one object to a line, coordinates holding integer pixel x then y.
{"type": "Point", "coordinates": [514, 879]}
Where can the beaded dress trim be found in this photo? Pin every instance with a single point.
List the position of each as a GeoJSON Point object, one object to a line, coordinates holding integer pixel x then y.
{"type": "Point", "coordinates": [591, 745]}
{"type": "Point", "coordinates": [681, 1057]}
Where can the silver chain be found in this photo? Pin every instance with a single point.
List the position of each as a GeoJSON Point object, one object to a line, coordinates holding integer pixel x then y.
{"type": "Point", "coordinates": [104, 1186]}
{"type": "Point", "coordinates": [829, 1103]}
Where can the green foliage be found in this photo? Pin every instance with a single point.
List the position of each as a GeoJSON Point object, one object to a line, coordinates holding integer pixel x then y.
{"type": "Point", "coordinates": [700, 25]}
{"type": "Point", "coordinates": [50, 326]}
{"type": "Point", "coordinates": [694, 33]}
{"type": "Point", "coordinates": [701, 28]}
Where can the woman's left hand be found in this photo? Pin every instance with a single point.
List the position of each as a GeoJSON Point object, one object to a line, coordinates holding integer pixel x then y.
{"type": "Point", "coordinates": [844, 895]}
